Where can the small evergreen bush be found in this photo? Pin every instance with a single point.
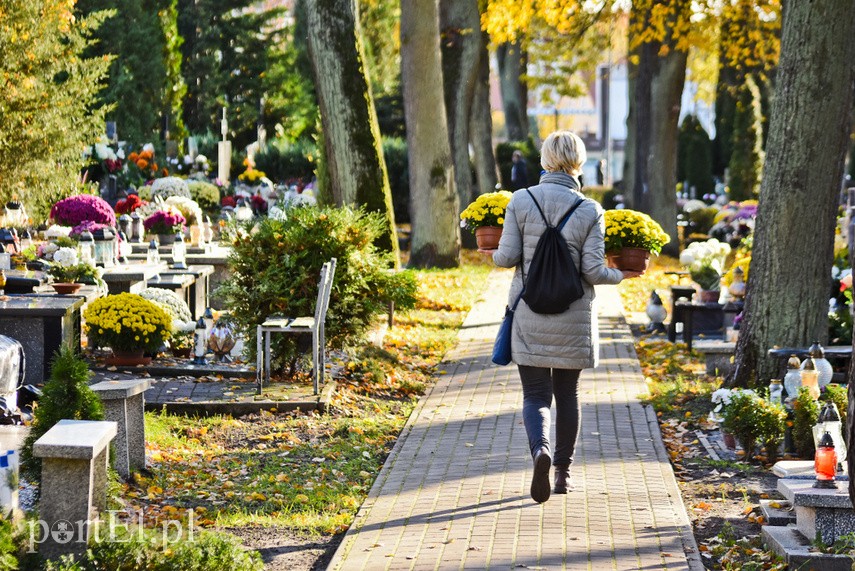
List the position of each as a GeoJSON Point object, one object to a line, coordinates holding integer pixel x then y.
{"type": "Point", "coordinates": [66, 396]}
{"type": "Point", "coordinates": [694, 156]}
{"type": "Point", "coordinates": [132, 551]}
{"type": "Point", "coordinates": [285, 162]}
{"type": "Point", "coordinates": [276, 264]}
{"type": "Point", "coordinates": [206, 195]}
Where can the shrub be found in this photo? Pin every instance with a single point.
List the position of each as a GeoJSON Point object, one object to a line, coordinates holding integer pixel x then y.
{"type": "Point", "coordinates": [694, 157]}
{"type": "Point", "coordinates": [132, 550]}
{"type": "Point", "coordinates": [126, 322]}
{"type": "Point", "coordinates": [504, 158]}
{"type": "Point", "coordinates": [702, 219]}
{"type": "Point", "coordinates": [805, 415]}
{"type": "Point", "coordinates": [839, 396]}
{"type": "Point", "coordinates": [771, 421]}
{"type": "Point", "coordinates": [398, 167]}
{"type": "Point", "coordinates": [275, 268]}
{"type": "Point", "coordinates": [206, 195]}
{"type": "Point", "coordinates": [66, 396]}
{"type": "Point", "coordinates": [738, 419]}
{"type": "Point", "coordinates": [282, 162]}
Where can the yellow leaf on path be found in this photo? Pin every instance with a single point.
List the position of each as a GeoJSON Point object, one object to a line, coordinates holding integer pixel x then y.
{"type": "Point", "coordinates": [282, 478]}
{"type": "Point", "coordinates": [747, 510]}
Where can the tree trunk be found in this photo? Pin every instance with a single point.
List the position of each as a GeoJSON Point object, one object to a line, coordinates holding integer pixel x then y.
{"type": "Point", "coordinates": [481, 125]}
{"type": "Point", "coordinates": [460, 24]}
{"type": "Point", "coordinates": [511, 60]}
{"type": "Point", "coordinates": [435, 240]}
{"type": "Point", "coordinates": [666, 92]}
{"type": "Point", "coordinates": [656, 88]}
{"type": "Point", "coordinates": [787, 298]}
{"type": "Point", "coordinates": [354, 159]}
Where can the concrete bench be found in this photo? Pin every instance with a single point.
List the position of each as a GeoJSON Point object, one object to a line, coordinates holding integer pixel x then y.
{"type": "Point", "coordinates": [717, 355]}
{"type": "Point", "coordinates": [74, 482]}
{"type": "Point", "coordinates": [124, 404]}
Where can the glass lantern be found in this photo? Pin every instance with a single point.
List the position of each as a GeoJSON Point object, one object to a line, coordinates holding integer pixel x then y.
{"type": "Point", "coordinates": [86, 244]}
{"type": "Point", "coordinates": [823, 367]}
{"type": "Point", "coordinates": [829, 423]}
{"type": "Point", "coordinates": [776, 390]}
{"type": "Point", "coordinates": [152, 255]}
{"type": "Point", "coordinates": [179, 252]}
{"type": "Point", "coordinates": [105, 247]}
{"type": "Point", "coordinates": [825, 463]}
{"type": "Point", "coordinates": [793, 378]}
{"type": "Point", "coordinates": [810, 377]}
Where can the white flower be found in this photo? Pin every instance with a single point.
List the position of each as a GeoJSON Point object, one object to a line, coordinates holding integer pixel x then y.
{"type": "Point", "coordinates": [169, 186]}
{"type": "Point", "coordinates": [201, 159]}
{"type": "Point", "coordinates": [66, 257]}
{"type": "Point", "coordinates": [103, 152]}
{"type": "Point", "coordinates": [121, 154]}
{"type": "Point", "coordinates": [189, 209]}
{"type": "Point", "coordinates": [148, 147]}
{"type": "Point", "coordinates": [55, 231]}
{"type": "Point", "coordinates": [171, 303]}
{"type": "Point", "coordinates": [722, 396]}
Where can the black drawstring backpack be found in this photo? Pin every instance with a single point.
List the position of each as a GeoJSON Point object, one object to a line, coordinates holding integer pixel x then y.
{"type": "Point", "coordinates": [553, 281]}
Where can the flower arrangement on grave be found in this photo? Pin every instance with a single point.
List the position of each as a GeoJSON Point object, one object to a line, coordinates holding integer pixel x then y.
{"type": "Point", "coordinates": [251, 175]}
{"type": "Point", "coordinates": [228, 200]}
{"type": "Point", "coordinates": [66, 267]}
{"type": "Point", "coordinates": [129, 204]}
{"type": "Point", "coordinates": [103, 160]}
{"type": "Point", "coordinates": [631, 229]}
{"type": "Point", "coordinates": [705, 262]}
{"type": "Point", "coordinates": [79, 208]}
{"type": "Point", "coordinates": [171, 303]}
{"type": "Point", "coordinates": [126, 322]}
{"type": "Point", "coordinates": [188, 208]}
{"type": "Point", "coordinates": [168, 220]}
{"type": "Point", "coordinates": [57, 231]}
{"type": "Point", "coordinates": [165, 187]}
{"type": "Point", "coordinates": [206, 195]}
{"type": "Point", "coordinates": [142, 167]}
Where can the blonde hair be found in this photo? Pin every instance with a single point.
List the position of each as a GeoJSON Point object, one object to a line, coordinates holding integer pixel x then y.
{"type": "Point", "coordinates": [563, 151]}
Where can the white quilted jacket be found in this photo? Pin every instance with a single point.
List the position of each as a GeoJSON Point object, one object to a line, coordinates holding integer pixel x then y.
{"type": "Point", "coordinates": [566, 340]}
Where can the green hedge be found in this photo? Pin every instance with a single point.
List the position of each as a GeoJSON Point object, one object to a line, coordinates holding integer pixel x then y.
{"type": "Point", "coordinates": [398, 167]}
{"type": "Point", "coordinates": [286, 162]}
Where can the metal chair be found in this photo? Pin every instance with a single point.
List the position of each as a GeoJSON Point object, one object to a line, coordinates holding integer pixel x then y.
{"type": "Point", "coordinates": [308, 324]}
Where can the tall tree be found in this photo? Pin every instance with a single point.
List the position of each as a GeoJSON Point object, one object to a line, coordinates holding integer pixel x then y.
{"type": "Point", "coordinates": [435, 239]}
{"type": "Point", "coordinates": [656, 89]}
{"type": "Point", "coordinates": [460, 25]}
{"type": "Point", "coordinates": [808, 134]}
{"type": "Point", "coordinates": [49, 108]}
{"type": "Point", "coordinates": [229, 48]}
{"type": "Point", "coordinates": [512, 63]}
{"type": "Point", "coordinates": [144, 83]}
{"type": "Point", "coordinates": [481, 124]}
{"type": "Point", "coordinates": [354, 159]}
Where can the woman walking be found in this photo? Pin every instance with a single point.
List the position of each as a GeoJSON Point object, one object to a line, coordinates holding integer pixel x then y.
{"type": "Point", "coordinates": [552, 349]}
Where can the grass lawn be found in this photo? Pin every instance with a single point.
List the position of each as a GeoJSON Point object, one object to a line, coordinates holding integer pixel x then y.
{"type": "Point", "coordinates": [307, 472]}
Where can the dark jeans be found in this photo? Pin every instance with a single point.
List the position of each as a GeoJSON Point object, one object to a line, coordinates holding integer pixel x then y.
{"type": "Point", "coordinates": [539, 385]}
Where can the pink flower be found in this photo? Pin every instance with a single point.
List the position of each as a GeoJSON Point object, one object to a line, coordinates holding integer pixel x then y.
{"type": "Point", "coordinates": [846, 283]}
{"type": "Point", "coordinates": [79, 208]}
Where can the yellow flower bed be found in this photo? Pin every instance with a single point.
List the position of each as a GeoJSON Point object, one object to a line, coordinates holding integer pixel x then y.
{"type": "Point", "coordinates": [126, 322]}
{"type": "Point", "coordinates": [631, 229]}
{"type": "Point", "coordinates": [487, 210]}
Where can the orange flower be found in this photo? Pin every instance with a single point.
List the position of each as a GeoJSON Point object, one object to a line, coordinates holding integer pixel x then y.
{"type": "Point", "coordinates": [133, 157]}
{"type": "Point", "coordinates": [147, 155]}
{"type": "Point", "coordinates": [165, 172]}
{"type": "Point", "coordinates": [154, 167]}
{"type": "Point", "coordinates": [142, 164]}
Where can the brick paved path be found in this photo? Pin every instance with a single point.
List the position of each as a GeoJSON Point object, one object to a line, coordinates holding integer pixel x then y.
{"type": "Point", "coordinates": [454, 492]}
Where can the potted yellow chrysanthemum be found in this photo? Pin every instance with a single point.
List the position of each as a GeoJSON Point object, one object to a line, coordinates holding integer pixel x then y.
{"type": "Point", "coordinates": [129, 325]}
{"type": "Point", "coordinates": [485, 218]}
{"type": "Point", "coordinates": [630, 239]}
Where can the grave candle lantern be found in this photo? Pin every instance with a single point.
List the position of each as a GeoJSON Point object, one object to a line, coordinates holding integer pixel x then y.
{"type": "Point", "coordinates": [825, 463]}
{"type": "Point", "coordinates": [810, 377]}
{"type": "Point", "coordinates": [200, 340]}
{"type": "Point", "coordinates": [179, 252]}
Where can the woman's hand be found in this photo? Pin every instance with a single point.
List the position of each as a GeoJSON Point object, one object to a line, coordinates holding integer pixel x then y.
{"type": "Point", "coordinates": [487, 252]}
{"type": "Point", "coordinates": [627, 274]}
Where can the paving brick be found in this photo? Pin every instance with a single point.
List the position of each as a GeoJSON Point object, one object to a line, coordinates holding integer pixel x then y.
{"type": "Point", "coordinates": [440, 504]}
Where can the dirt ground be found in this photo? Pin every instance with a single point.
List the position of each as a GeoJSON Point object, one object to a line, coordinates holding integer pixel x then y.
{"type": "Point", "coordinates": [282, 550]}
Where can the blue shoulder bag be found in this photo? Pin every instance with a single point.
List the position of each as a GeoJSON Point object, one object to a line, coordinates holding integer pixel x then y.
{"type": "Point", "coordinates": [502, 347]}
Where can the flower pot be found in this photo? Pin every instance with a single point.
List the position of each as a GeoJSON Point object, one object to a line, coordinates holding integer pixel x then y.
{"type": "Point", "coordinates": [488, 237]}
{"type": "Point", "coordinates": [128, 358]}
{"type": "Point", "coordinates": [709, 296]}
{"type": "Point", "coordinates": [165, 239]}
{"type": "Point", "coordinates": [66, 288]}
{"type": "Point", "coordinates": [630, 259]}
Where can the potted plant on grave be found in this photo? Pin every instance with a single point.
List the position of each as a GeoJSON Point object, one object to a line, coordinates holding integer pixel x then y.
{"type": "Point", "coordinates": [183, 325]}
{"type": "Point", "coordinates": [129, 325]}
{"type": "Point", "coordinates": [81, 208]}
{"type": "Point", "coordinates": [485, 218]}
{"type": "Point", "coordinates": [630, 239]}
{"type": "Point", "coordinates": [705, 261]}
{"type": "Point", "coordinates": [69, 273]}
{"type": "Point", "coordinates": [165, 223]}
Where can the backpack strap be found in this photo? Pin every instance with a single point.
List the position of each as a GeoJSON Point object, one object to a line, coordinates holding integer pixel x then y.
{"type": "Point", "coordinates": [570, 212]}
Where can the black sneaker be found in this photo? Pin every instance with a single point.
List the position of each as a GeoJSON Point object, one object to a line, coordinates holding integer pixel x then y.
{"type": "Point", "coordinates": [540, 488]}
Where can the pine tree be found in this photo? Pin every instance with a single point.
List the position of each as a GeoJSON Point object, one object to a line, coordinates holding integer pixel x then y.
{"type": "Point", "coordinates": [48, 100]}
{"type": "Point", "coordinates": [694, 156]}
{"type": "Point", "coordinates": [746, 161]}
{"type": "Point", "coordinates": [66, 396]}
